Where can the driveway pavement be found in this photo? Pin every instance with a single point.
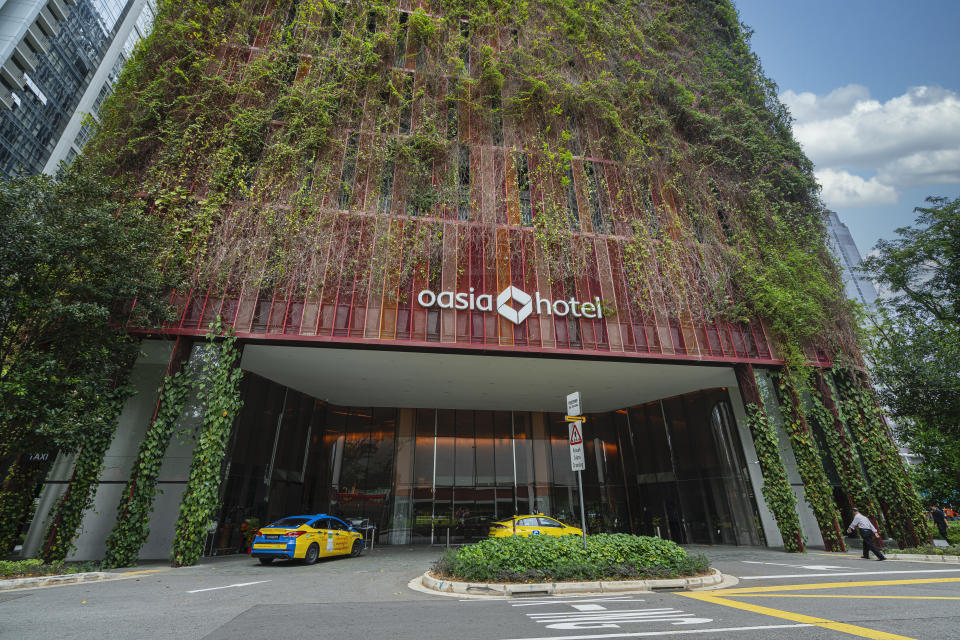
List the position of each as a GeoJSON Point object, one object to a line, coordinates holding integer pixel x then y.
{"type": "Point", "coordinates": [779, 595]}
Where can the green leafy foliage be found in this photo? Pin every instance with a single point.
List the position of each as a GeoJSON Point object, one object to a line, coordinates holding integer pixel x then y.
{"type": "Point", "coordinates": [898, 500]}
{"type": "Point", "coordinates": [915, 342]}
{"type": "Point", "coordinates": [540, 558]}
{"type": "Point", "coordinates": [220, 398]}
{"type": "Point", "coordinates": [72, 260]}
{"type": "Point", "coordinates": [35, 567]}
{"type": "Point", "coordinates": [816, 489]}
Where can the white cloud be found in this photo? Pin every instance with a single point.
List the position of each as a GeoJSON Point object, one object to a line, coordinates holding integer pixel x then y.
{"type": "Point", "coordinates": [907, 141]}
{"type": "Point", "coordinates": [843, 189]}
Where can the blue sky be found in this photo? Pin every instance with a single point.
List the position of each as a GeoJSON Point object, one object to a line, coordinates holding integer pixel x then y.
{"type": "Point", "coordinates": [874, 87]}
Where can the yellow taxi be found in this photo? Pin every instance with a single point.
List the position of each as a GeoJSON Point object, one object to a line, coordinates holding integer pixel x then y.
{"type": "Point", "coordinates": [306, 538]}
{"type": "Point", "coordinates": [531, 525]}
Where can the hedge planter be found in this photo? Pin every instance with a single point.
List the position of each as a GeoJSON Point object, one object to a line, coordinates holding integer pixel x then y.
{"type": "Point", "coordinates": [546, 559]}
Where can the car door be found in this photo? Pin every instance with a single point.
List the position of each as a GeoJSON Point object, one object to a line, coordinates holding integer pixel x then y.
{"type": "Point", "coordinates": [550, 527]}
{"type": "Point", "coordinates": [529, 526]}
{"type": "Point", "coordinates": [342, 538]}
{"type": "Point", "coordinates": [327, 537]}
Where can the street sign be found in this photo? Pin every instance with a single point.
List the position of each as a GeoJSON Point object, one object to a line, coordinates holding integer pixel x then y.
{"type": "Point", "coordinates": [577, 460]}
{"type": "Point", "coordinates": [573, 404]}
{"type": "Point", "coordinates": [575, 418]}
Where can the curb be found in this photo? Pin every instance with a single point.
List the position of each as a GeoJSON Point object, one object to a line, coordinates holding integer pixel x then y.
{"type": "Point", "coordinates": [927, 558]}
{"type": "Point", "coordinates": [556, 588]}
{"type": "Point", "coordinates": [50, 581]}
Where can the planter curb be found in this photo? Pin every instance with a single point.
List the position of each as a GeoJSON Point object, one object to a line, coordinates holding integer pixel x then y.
{"type": "Point", "coordinates": [928, 558]}
{"type": "Point", "coordinates": [551, 588]}
{"type": "Point", "coordinates": [49, 581]}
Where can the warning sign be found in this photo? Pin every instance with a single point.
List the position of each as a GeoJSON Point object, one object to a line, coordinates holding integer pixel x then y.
{"type": "Point", "coordinates": [575, 437]}
{"type": "Point", "coordinates": [577, 460]}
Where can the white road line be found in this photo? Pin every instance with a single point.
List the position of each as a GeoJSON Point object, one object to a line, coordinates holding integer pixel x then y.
{"type": "Point", "coordinates": [672, 632]}
{"type": "Point", "coordinates": [811, 567]}
{"type": "Point", "coordinates": [534, 603]}
{"type": "Point", "coordinates": [847, 573]}
{"type": "Point", "coordinates": [588, 607]}
{"type": "Point", "coordinates": [241, 584]}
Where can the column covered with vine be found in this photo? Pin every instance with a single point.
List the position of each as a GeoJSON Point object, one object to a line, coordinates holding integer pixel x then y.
{"type": "Point", "coordinates": [219, 396]}
{"type": "Point", "coordinates": [881, 460]}
{"type": "Point", "coordinates": [776, 487]}
{"type": "Point", "coordinates": [843, 452]}
{"type": "Point", "coordinates": [136, 504]}
{"type": "Point", "coordinates": [102, 417]}
{"type": "Point", "coordinates": [816, 487]}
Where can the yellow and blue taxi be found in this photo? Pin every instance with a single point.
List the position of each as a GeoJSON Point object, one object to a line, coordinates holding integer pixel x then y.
{"type": "Point", "coordinates": [535, 524]}
{"type": "Point", "coordinates": [306, 538]}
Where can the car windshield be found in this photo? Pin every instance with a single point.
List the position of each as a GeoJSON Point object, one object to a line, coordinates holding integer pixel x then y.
{"type": "Point", "coordinates": [289, 523]}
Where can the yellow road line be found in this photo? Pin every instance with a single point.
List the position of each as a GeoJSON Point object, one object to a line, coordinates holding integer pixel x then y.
{"type": "Point", "coordinates": [833, 585]}
{"type": "Point", "coordinates": [842, 627]}
{"type": "Point", "coordinates": [133, 573]}
{"type": "Point", "coordinates": [824, 595]}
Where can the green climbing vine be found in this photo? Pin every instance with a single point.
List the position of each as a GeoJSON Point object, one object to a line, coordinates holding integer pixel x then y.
{"type": "Point", "coordinates": [845, 458]}
{"type": "Point", "coordinates": [18, 491]}
{"type": "Point", "coordinates": [816, 488]}
{"type": "Point", "coordinates": [219, 396]}
{"type": "Point", "coordinates": [136, 504]}
{"type": "Point", "coordinates": [776, 487]}
{"type": "Point", "coordinates": [301, 142]}
{"type": "Point", "coordinates": [905, 516]}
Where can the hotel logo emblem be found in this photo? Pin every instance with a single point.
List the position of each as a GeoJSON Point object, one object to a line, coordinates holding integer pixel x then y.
{"type": "Point", "coordinates": [523, 301]}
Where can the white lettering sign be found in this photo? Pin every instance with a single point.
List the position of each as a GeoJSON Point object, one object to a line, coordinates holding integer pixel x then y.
{"type": "Point", "coordinates": [513, 304]}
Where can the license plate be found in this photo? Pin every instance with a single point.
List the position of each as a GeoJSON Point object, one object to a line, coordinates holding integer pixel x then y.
{"type": "Point", "coordinates": [272, 537]}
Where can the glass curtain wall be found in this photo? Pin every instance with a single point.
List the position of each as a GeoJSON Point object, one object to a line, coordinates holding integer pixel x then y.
{"type": "Point", "coordinates": [672, 468]}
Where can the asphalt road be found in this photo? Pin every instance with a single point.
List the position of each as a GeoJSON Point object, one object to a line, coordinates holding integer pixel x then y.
{"type": "Point", "coordinates": [779, 595]}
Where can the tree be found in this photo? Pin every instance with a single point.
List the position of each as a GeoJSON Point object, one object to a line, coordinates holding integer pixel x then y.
{"type": "Point", "coordinates": [915, 351]}
{"type": "Point", "coordinates": [77, 267]}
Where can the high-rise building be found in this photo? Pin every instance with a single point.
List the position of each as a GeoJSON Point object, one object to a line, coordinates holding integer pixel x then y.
{"type": "Point", "coordinates": [58, 61]}
{"type": "Point", "coordinates": [857, 286]}
{"type": "Point", "coordinates": [427, 223]}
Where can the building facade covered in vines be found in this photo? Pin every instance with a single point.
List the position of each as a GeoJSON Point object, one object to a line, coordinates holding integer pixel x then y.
{"type": "Point", "coordinates": [417, 226]}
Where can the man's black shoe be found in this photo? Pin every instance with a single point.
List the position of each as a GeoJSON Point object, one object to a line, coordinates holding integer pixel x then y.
{"type": "Point", "coordinates": [883, 558]}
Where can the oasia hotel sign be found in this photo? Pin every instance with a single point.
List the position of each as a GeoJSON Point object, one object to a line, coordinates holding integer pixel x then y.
{"type": "Point", "coordinates": [512, 303]}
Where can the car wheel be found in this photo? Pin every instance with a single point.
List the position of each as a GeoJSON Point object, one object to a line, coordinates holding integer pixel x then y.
{"type": "Point", "coordinates": [357, 549]}
{"type": "Point", "coordinates": [265, 560]}
{"type": "Point", "coordinates": [313, 551]}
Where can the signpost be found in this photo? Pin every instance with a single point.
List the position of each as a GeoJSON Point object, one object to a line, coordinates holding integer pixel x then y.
{"type": "Point", "coordinates": [577, 459]}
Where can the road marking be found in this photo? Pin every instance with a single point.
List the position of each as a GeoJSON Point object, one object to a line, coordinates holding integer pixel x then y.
{"type": "Point", "coordinates": [723, 597]}
{"type": "Point", "coordinates": [534, 603]}
{"type": "Point", "coordinates": [812, 567]}
{"type": "Point", "coordinates": [588, 607]}
{"type": "Point", "coordinates": [672, 632]}
{"type": "Point", "coordinates": [848, 573]}
{"type": "Point", "coordinates": [613, 619]}
{"type": "Point", "coordinates": [824, 595]}
{"type": "Point", "coordinates": [136, 573]}
{"type": "Point", "coordinates": [229, 586]}
{"type": "Point", "coordinates": [862, 632]}
{"type": "Point", "coordinates": [831, 585]}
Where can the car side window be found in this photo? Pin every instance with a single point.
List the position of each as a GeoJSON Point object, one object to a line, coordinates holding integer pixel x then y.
{"type": "Point", "coordinates": [336, 525]}
{"type": "Point", "coordinates": [322, 523]}
{"type": "Point", "coordinates": [549, 522]}
{"type": "Point", "coordinates": [527, 522]}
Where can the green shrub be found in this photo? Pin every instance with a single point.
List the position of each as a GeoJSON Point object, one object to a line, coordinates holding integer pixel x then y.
{"type": "Point", "coordinates": [607, 556]}
{"type": "Point", "coordinates": [36, 567]}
